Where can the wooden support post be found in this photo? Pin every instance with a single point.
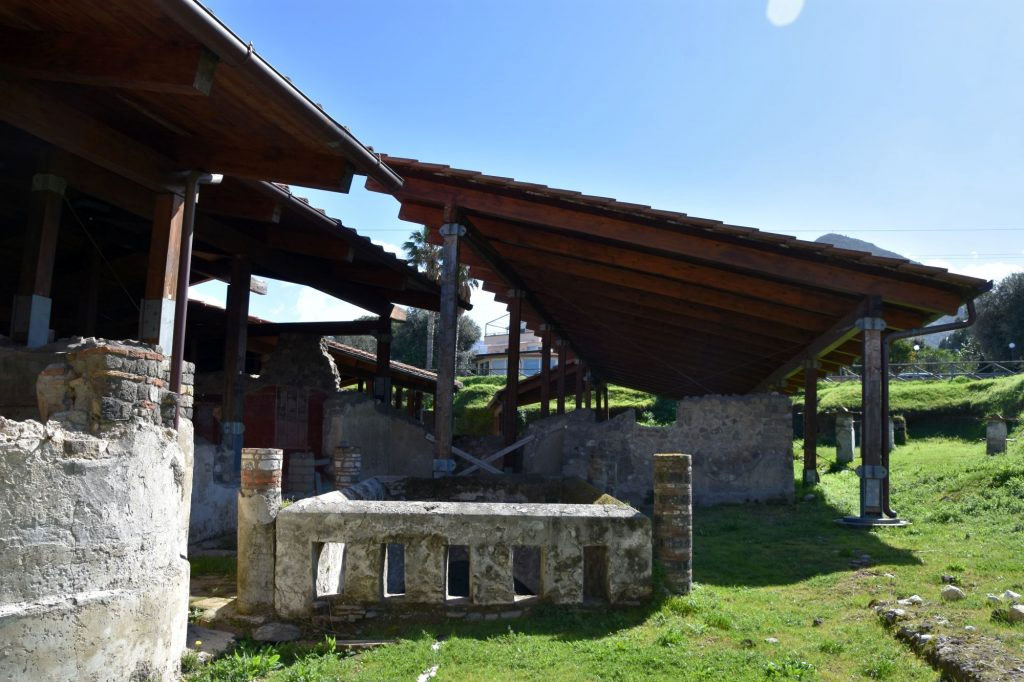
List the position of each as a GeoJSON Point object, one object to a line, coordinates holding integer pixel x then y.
{"type": "Point", "coordinates": [382, 375]}
{"type": "Point", "coordinates": [236, 320]}
{"type": "Point", "coordinates": [606, 408]}
{"type": "Point", "coordinates": [359, 386]}
{"type": "Point", "coordinates": [156, 319]}
{"type": "Point", "coordinates": [398, 397]}
{"type": "Point", "coordinates": [579, 384]}
{"type": "Point", "coordinates": [451, 233]}
{"type": "Point", "coordinates": [563, 357]}
{"type": "Point", "coordinates": [30, 316]}
{"type": "Point", "coordinates": [419, 405]}
{"type": "Point", "coordinates": [545, 371]}
{"type": "Point", "coordinates": [410, 403]}
{"type": "Point", "coordinates": [872, 425]}
{"type": "Point", "coordinates": [509, 412]}
{"type": "Point", "coordinates": [811, 422]}
{"type": "Point", "coordinates": [587, 386]}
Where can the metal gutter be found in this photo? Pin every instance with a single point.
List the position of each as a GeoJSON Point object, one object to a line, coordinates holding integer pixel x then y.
{"type": "Point", "coordinates": [229, 48]}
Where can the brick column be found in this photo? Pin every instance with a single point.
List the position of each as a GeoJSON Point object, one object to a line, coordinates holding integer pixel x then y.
{"type": "Point", "coordinates": [348, 461]}
{"type": "Point", "coordinates": [259, 501]}
{"type": "Point", "coordinates": [673, 520]}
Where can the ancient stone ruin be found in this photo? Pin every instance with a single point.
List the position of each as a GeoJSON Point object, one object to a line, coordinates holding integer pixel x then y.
{"type": "Point", "coordinates": [95, 515]}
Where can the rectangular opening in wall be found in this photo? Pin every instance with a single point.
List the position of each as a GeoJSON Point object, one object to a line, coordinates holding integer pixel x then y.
{"type": "Point", "coordinates": [595, 573]}
{"type": "Point", "coordinates": [330, 568]}
{"type": "Point", "coordinates": [393, 578]}
{"type": "Point", "coordinates": [457, 572]}
{"type": "Point", "coordinates": [526, 571]}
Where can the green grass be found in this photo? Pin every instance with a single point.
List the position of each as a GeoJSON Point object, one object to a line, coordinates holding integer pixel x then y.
{"type": "Point", "coordinates": [212, 565]}
{"type": "Point", "coordinates": [963, 396]}
{"type": "Point", "coordinates": [763, 571]}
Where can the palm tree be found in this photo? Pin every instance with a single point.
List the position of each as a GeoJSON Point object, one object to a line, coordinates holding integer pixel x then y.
{"type": "Point", "coordinates": [427, 259]}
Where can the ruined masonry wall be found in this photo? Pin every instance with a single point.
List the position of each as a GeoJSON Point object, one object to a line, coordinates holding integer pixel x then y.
{"type": "Point", "coordinates": [390, 443]}
{"type": "Point", "coordinates": [93, 514]}
{"type": "Point", "coordinates": [741, 449]}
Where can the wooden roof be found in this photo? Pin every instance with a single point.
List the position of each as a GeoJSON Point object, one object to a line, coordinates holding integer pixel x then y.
{"type": "Point", "coordinates": [665, 302]}
{"type": "Point", "coordinates": [150, 88]}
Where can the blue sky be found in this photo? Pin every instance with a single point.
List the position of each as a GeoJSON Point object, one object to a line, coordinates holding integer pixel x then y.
{"type": "Point", "coordinates": [898, 122]}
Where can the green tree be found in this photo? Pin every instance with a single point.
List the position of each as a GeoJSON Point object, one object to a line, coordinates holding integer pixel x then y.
{"type": "Point", "coordinates": [1001, 318]}
{"type": "Point", "coordinates": [408, 340]}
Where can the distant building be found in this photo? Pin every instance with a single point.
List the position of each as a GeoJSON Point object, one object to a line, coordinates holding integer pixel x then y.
{"type": "Point", "coordinates": [492, 350]}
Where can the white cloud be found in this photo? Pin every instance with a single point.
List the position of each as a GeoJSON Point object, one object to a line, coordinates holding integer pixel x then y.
{"type": "Point", "coordinates": [783, 12]}
{"type": "Point", "coordinates": [212, 292]}
{"type": "Point", "coordinates": [390, 248]}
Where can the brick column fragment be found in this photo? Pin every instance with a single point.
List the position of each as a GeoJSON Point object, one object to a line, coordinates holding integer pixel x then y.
{"type": "Point", "coordinates": [259, 501]}
{"type": "Point", "coordinates": [673, 520]}
{"type": "Point", "coordinates": [348, 461]}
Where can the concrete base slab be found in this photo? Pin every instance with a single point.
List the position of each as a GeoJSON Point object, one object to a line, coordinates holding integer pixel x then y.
{"type": "Point", "coordinates": [213, 642]}
{"type": "Point", "coordinates": [870, 522]}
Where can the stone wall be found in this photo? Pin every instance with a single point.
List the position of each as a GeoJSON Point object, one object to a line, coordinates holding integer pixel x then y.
{"type": "Point", "coordinates": [214, 501]}
{"type": "Point", "coordinates": [564, 537]}
{"type": "Point", "coordinates": [741, 448]}
{"type": "Point", "coordinates": [93, 510]}
{"type": "Point", "coordinates": [391, 444]}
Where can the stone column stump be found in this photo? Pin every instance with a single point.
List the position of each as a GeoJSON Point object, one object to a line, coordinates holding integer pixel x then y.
{"type": "Point", "coordinates": [995, 435]}
{"type": "Point", "coordinates": [844, 439]}
{"type": "Point", "coordinates": [259, 501]}
{"type": "Point", "coordinates": [348, 462]}
{"type": "Point", "coordinates": [673, 520]}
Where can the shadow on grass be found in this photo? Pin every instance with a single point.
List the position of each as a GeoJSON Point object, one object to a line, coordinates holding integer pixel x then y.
{"type": "Point", "coordinates": [781, 544]}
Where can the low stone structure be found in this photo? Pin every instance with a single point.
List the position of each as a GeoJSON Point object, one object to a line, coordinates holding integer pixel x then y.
{"type": "Point", "coordinates": [93, 511]}
{"type": "Point", "coordinates": [845, 439]}
{"type": "Point", "coordinates": [741, 449]}
{"type": "Point", "coordinates": [415, 545]}
{"type": "Point", "coordinates": [995, 435]}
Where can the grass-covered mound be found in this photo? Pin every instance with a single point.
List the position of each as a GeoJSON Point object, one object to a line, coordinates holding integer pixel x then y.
{"type": "Point", "coordinates": [472, 417]}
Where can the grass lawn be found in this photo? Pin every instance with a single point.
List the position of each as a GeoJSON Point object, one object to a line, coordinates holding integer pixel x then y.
{"type": "Point", "coordinates": [762, 572]}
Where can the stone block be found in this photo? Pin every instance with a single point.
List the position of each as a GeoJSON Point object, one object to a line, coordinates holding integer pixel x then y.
{"type": "Point", "coordinates": [490, 574]}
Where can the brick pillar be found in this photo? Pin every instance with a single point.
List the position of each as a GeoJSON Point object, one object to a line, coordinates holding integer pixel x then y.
{"type": "Point", "coordinates": [673, 520]}
{"type": "Point", "coordinates": [259, 501]}
{"type": "Point", "coordinates": [995, 435]}
{"type": "Point", "coordinates": [348, 461]}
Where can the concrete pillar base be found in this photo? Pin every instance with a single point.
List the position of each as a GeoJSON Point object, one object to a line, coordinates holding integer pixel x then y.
{"type": "Point", "coordinates": [811, 477]}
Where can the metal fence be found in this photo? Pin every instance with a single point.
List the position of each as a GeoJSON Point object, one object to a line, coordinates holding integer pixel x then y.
{"type": "Point", "coordinates": [946, 369]}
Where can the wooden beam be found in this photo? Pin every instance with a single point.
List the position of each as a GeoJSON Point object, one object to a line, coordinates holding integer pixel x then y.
{"type": "Point", "coordinates": [30, 318]}
{"type": "Point", "coordinates": [343, 328]}
{"type": "Point", "coordinates": [675, 268]}
{"type": "Point", "coordinates": [134, 63]}
{"type": "Point", "coordinates": [382, 373]}
{"type": "Point", "coordinates": [289, 267]}
{"type": "Point", "coordinates": [306, 169]}
{"type": "Point", "coordinates": [680, 239]}
{"type": "Point", "coordinates": [157, 313]}
{"type": "Point", "coordinates": [443, 402]}
{"type": "Point", "coordinates": [243, 206]}
{"type": "Point", "coordinates": [521, 258]}
{"type": "Point", "coordinates": [836, 335]}
{"type": "Point", "coordinates": [563, 360]}
{"type": "Point", "coordinates": [510, 410]}
{"type": "Point", "coordinates": [220, 270]}
{"type": "Point", "coordinates": [810, 422]}
{"type": "Point", "coordinates": [308, 243]}
{"type": "Point", "coordinates": [40, 112]}
{"type": "Point", "coordinates": [236, 316]}
{"type": "Point", "coordinates": [545, 372]}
